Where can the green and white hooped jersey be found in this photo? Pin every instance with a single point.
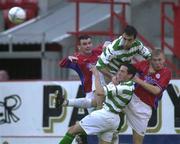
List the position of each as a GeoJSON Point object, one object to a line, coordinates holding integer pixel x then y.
{"type": "Point", "coordinates": [118, 96]}
{"type": "Point", "coordinates": [114, 55]}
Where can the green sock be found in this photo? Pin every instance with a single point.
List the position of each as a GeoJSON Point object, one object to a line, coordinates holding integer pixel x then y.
{"type": "Point", "coordinates": [67, 139]}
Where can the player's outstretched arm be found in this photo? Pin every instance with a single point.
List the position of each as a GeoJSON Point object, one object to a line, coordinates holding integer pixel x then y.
{"type": "Point", "coordinates": [99, 89]}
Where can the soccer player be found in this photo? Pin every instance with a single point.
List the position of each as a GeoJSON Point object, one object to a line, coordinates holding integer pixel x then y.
{"type": "Point", "coordinates": [153, 79]}
{"type": "Point", "coordinates": [106, 120]}
{"type": "Point", "coordinates": [121, 50]}
{"type": "Point", "coordinates": [81, 62]}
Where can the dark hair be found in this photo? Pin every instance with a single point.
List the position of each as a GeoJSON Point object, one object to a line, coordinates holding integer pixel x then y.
{"type": "Point", "coordinates": [131, 69]}
{"type": "Point", "coordinates": [83, 37]}
{"type": "Point", "coordinates": [130, 31]}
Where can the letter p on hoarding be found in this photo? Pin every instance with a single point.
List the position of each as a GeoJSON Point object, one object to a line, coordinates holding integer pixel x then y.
{"type": "Point", "coordinates": [51, 114]}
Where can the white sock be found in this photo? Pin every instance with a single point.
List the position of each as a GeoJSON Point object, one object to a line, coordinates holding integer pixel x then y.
{"type": "Point", "coordinates": [80, 102]}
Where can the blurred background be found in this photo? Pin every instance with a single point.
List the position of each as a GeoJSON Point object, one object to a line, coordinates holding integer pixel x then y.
{"type": "Point", "coordinates": [32, 49]}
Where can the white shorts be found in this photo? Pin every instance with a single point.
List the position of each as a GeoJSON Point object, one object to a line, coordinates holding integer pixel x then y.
{"type": "Point", "coordinates": [101, 122]}
{"type": "Point", "coordinates": [138, 114]}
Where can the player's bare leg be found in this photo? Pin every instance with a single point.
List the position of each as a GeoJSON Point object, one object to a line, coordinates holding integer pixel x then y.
{"type": "Point", "coordinates": [137, 139]}
{"type": "Point", "coordinates": [76, 129]}
{"type": "Point", "coordinates": [104, 142]}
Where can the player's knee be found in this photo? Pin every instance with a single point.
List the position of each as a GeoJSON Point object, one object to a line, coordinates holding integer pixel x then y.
{"type": "Point", "coordinates": [72, 130]}
{"type": "Point", "coordinates": [137, 139]}
{"type": "Point", "coordinates": [93, 102]}
{"type": "Point", "coordinates": [75, 129]}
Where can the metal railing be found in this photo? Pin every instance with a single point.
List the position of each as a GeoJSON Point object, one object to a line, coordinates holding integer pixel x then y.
{"type": "Point", "coordinates": [122, 18]}
{"type": "Point", "coordinates": [113, 14]}
{"type": "Point", "coordinates": [165, 19]}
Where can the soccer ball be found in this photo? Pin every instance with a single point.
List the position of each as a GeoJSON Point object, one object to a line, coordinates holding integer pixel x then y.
{"type": "Point", "coordinates": [17, 15]}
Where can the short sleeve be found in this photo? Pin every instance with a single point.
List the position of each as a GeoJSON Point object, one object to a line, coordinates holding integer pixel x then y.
{"type": "Point", "coordinates": [107, 54]}
{"type": "Point", "coordinates": [110, 90]}
{"type": "Point", "coordinates": [165, 77]}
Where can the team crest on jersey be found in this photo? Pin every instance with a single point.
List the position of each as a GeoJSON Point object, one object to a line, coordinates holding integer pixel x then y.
{"type": "Point", "coordinates": [150, 80]}
{"type": "Point", "coordinates": [158, 76]}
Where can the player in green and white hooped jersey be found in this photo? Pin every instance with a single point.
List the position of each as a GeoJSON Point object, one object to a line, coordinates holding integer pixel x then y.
{"type": "Point", "coordinates": [121, 50]}
{"type": "Point", "coordinates": [118, 96]}
{"type": "Point", "coordinates": [105, 121]}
